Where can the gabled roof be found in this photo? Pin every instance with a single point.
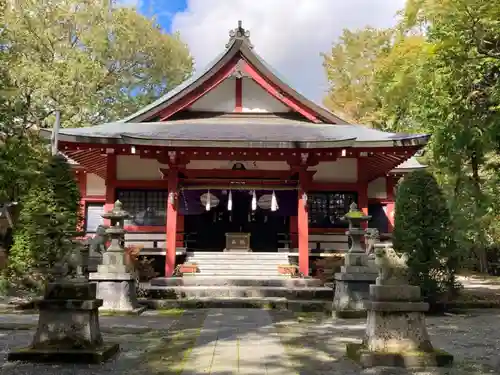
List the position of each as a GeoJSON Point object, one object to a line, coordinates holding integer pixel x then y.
{"type": "Point", "coordinates": [239, 46]}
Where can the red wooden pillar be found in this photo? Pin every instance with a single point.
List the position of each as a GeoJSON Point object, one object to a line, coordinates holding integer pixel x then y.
{"type": "Point", "coordinates": [171, 230]}
{"type": "Point", "coordinates": [390, 206]}
{"type": "Point", "coordinates": [362, 190]}
{"type": "Point", "coordinates": [110, 182]}
{"type": "Point", "coordinates": [303, 228]}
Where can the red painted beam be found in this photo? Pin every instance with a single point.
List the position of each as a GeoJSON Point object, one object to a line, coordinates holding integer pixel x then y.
{"type": "Point", "coordinates": [197, 93]}
{"type": "Point", "coordinates": [274, 91]}
{"type": "Point", "coordinates": [238, 95]}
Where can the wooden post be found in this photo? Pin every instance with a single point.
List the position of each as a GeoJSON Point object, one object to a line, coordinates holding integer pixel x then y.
{"type": "Point", "coordinates": [303, 227]}
{"type": "Point", "coordinates": [362, 190]}
{"type": "Point", "coordinates": [55, 134]}
{"type": "Point", "coordinates": [171, 230]}
{"type": "Point", "coordinates": [110, 182]}
{"type": "Point", "coordinates": [390, 207]}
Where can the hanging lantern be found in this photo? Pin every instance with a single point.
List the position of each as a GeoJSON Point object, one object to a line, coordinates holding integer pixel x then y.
{"type": "Point", "coordinates": [264, 202]}
{"type": "Point", "coordinates": [274, 202]}
{"type": "Point", "coordinates": [254, 201]}
{"type": "Point", "coordinates": [230, 201]}
{"type": "Point", "coordinates": [209, 200]}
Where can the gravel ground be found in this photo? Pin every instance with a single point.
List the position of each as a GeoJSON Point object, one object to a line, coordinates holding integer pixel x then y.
{"type": "Point", "coordinates": [155, 345]}
{"type": "Point", "coordinates": [316, 345]}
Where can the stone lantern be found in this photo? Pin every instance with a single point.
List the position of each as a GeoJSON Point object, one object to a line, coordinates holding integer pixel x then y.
{"type": "Point", "coordinates": [352, 283]}
{"type": "Point", "coordinates": [115, 285]}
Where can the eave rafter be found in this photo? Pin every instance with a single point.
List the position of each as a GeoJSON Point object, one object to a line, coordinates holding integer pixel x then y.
{"type": "Point", "coordinates": [91, 160]}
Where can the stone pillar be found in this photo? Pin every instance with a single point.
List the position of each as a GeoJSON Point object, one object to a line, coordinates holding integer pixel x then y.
{"type": "Point", "coordinates": [68, 324]}
{"type": "Point", "coordinates": [115, 285]}
{"type": "Point", "coordinates": [396, 334]}
{"type": "Point", "coordinates": [353, 281]}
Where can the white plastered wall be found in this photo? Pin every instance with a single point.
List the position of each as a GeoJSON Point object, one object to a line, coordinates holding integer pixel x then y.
{"type": "Point", "coordinates": [133, 167]}
{"type": "Point", "coordinates": [340, 170]}
{"type": "Point", "coordinates": [220, 99]}
{"type": "Point", "coordinates": [256, 99]}
{"type": "Point", "coordinates": [95, 185]}
{"type": "Point", "coordinates": [378, 188]}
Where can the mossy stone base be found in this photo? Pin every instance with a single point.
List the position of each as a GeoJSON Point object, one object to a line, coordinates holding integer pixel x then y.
{"type": "Point", "coordinates": [414, 359]}
{"type": "Point", "coordinates": [60, 355]}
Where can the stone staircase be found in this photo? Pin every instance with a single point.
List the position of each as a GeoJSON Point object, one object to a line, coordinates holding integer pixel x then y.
{"type": "Point", "coordinates": [237, 279]}
{"type": "Point", "coordinates": [237, 264]}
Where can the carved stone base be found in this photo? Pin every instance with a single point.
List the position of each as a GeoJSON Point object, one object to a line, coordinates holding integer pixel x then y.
{"type": "Point", "coordinates": [95, 355]}
{"type": "Point", "coordinates": [396, 334]}
{"type": "Point", "coordinates": [410, 359]}
{"type": "Point", "coordinates": [117, 291]}
{"type": "Point", "coordinates": [68, 327]}
{"type": "Point", "coordinates": [351, 293]}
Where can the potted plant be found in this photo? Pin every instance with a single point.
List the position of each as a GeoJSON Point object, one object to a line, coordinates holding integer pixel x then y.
{"type": "Point", "coordinates": [187, 268]}
{"type": "Point", "coordinates": [288, 269]}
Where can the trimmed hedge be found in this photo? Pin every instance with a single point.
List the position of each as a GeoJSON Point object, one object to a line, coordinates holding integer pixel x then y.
{"type": "Point", "coordinates": [423, 230]}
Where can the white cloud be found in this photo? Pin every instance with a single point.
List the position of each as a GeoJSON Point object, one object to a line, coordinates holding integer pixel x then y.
{"type": "Point", "coordinates": [288, 34]}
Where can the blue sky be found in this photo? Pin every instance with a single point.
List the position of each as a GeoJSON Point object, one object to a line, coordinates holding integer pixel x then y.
{"type": "Point", "coordinates": [164, 11]}
{"type": "Point", "coordinates": [289, 34]}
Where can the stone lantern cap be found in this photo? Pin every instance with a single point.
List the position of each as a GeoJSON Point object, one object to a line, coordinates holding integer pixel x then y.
{"type": "Point", "coordinates": [117, 212]}
{"type": "Point", "coordinates": [355, 214]}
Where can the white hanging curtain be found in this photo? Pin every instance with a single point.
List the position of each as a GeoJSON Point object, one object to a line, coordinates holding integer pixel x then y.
{"type": "Point", "coordinates": [254, 201]}
{"type": "Point", "coordinates": [230, 201]}
{"type": "Point", "coordinates": [207, 203]}
{"type": "Point", "coordinates": [274, 202]}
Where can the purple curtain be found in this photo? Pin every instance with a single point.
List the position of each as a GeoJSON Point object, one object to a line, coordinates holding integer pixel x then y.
{"type": "Point", "coordinates": [190, 204]}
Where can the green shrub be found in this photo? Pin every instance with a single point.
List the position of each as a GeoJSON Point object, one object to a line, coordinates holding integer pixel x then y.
{"type": "Point", "coordinates": [48, 220]}
{"type": "Point", "coordinates": [423, 230]}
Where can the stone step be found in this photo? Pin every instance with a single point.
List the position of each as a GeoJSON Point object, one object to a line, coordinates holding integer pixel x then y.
{"type": "Point", "coordinates": [259, 303]}
{"type": "Point", "coordinates": [275, 262]}
{"type": "Point", "coordinates": [224, 254]}
{"type": "Point", "coordinates": [237, 266]}
{"type": "Point", "coordinates": [180, 292]}
{"type": "Point", "coordinates": [202, 280]}
{"type": "Point", "coordinates": [256, 258]}
{"type": "Point", "coordinates": [236, 272]}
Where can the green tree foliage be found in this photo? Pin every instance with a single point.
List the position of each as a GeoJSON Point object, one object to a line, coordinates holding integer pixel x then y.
{"type": "Point", "coordinates": [439, 74]}
{"type": "Point", "coordinates": [90, 60]}
{"type": "Point", "coordinates": [48, 220]}
{"type": "Point", "coordinates": [350, 68]}
{"type": "Point", "coordinates": [424, 231]}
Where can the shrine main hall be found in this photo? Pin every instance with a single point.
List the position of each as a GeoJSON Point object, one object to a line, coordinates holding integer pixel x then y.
{"type": "Point", "coordinates": [234, 159]}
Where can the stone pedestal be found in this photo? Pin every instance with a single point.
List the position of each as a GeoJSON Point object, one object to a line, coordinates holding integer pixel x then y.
{"type": "Point", "coordinates": [115, 285]}
{"type": "Point", "coordinates": [68, 327]}
{"type": "Point", "coordinates": [396, 334]}
{"type": "Point", "coordinates": [352, 285]}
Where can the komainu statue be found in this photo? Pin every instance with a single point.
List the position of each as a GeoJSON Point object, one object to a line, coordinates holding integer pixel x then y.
{"type": "Point", "coordinates": [392, 268]}
{"type": "Point", "coordinates": [97, 244]}
{"type": "Point", "coordinates": [372, 236]}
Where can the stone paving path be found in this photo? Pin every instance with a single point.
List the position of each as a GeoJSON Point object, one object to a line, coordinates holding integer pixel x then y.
{"type": "Point", "coordinates": [251, 341]}
{"type": "Point", "coordinates": [237, 341]}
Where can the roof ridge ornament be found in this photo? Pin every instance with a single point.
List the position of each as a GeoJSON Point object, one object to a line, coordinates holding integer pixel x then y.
{"type": "Point", "coordinates": [239, 33]}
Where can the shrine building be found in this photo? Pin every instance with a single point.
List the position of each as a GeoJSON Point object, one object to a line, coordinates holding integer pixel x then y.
{"type": "Point", "coordinates": [236, 159]}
